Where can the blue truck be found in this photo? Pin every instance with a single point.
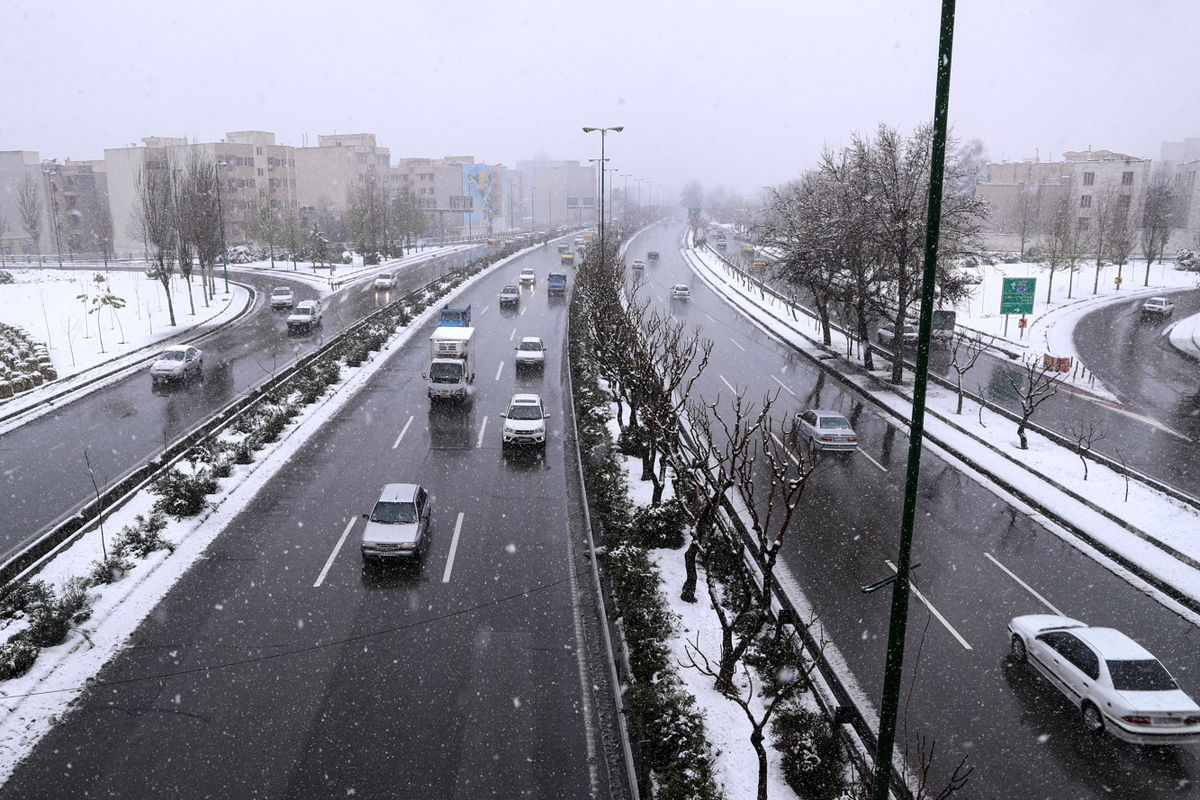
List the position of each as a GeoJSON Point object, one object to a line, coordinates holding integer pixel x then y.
{"type": "Point", "coordinates": [556, 283]}
{"type": "Point", "coordinates": [455, 317]}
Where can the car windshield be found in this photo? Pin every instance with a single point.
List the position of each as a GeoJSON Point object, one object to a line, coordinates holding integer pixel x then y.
{"type": "Point", "coordinates": [833, 422]}
{"type": "Point", "coordinates": [1143, 675]}
{"type": "Point", "coordinates": [525, 411]}
{"type": "Point", "coordinates": [172, 355]}
{"type": "Point", "coordinates": [445, 372]}
{"type": "Point", "coordinates": [531, 345]}
{"type": "Point", "coordinates": [394, 513]}
{"type": "Point", "coordinates": [383, 276]}
{"type": "Point", "coordinates": [281, 292]}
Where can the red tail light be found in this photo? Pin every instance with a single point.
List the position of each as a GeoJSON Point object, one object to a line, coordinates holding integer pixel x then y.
{"type": "Point", "coordinates": [1136, 719]}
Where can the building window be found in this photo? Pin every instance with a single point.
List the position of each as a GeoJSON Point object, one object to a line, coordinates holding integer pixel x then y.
{"type": "Point", "coordinates": [258, 151]}
{"type": "Point", "coordinates": [1089, 179]}
{"type": "Point", "coordinates": [1083, 224]}
{"type": "Point", "coordinates": [1085, 201]}
{"type": "Point", "coordinates": [1123, 205]}
{"type": "Point", "coordinates": [1127, 179]}
{"type": "Point", "coordinates": [260, 172]}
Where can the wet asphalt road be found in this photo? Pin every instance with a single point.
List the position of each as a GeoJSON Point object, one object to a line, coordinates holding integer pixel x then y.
{"type": "Point", "coordinates": [457, 678]}
{"type": "Point", "coordinates": [975, 550]}
{"type": "Point", "coordinates": [126, 423]}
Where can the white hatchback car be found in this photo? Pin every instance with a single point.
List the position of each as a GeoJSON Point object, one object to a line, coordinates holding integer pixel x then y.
{"type": "Point", "coordinates": [527, 276]}
{"type": "Point", "coordinates": [680, 291]}
{"type": "Point", "coordinates": [398, 525]}
{"type": "Point", "coordinates": [531, 353]}
{"type": "Point", "coordinates": [385, 280]}
{"type": "Point", "coordinates": [524, 422]}
{"type": "Point", "coordinates": [1116, 683]}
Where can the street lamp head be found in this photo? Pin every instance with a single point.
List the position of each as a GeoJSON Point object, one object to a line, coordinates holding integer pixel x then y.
{"type": "Point", "coordinates": [589, 130]}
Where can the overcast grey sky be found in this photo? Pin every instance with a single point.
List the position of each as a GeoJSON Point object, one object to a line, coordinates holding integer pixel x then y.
{"type": "Point", "coordinates": [739, 94]}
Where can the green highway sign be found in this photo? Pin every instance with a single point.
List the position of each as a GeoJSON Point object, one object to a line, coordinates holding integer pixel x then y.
{"type": "Point", "coordinates": [1016, 295]}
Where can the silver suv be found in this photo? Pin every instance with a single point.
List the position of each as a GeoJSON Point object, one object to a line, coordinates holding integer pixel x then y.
{"type": "Point", "coordinates": [524, 422]}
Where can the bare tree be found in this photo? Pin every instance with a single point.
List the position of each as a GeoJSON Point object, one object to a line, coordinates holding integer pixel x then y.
{"type": "Point", "coordinates": [897, 169]}
{"type": "Point", "coordinates": [3, 230]}
{"type": "Point", "coordinates": [156, 219]}
{"type": "Point", "coordinates": [266, 226]}
{"type": "Point", "coordinates": [1022, 214]}
{"type": "Point", "coordinates": [1157, 218]}
{"type": "Point", "coordinates": [1083, 434]}
{"type": "Point", "coordinates": [750, 450]}
{"type": "Point", "coordinates": [29, 206]}
{"type": "Point", "coordinates": [965, 350]}
{"type": "Point", "coordinates": [1034, 384]}
{"type": "Point", "coordinates": [104, 228]}
{"type": "Point", "coordinates": [203, 217]}
{"type": "Point", "coordinates": [1060, 243]}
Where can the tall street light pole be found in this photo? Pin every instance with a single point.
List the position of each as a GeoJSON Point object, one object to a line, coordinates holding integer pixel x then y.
{"type": "Point", "coordinates": [221, 222]}
{"type": "Point", "coordinates": [50, 172]}
{"type": "Point", "coordinates": [603, 131]}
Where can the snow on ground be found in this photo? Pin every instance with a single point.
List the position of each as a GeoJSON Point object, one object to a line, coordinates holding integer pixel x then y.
{"type": "Point", "coordinates": [31, 704]}
{"type": "Point", "coordinates": [1051, 326]}
{"type": "Point", "coordinates": [47, 304]}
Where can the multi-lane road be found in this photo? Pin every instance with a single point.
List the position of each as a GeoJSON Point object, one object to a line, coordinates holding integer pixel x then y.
{"type": "Point", "coordinates": [983, 560]}
{"type": "Point", "coordinates": [280, 667]}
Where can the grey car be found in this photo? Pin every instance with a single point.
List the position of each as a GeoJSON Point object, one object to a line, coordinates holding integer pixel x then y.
{"type": "Point", "coordinates": [398, 525]}
{"type": "Point", "coordinates": [827, 430]}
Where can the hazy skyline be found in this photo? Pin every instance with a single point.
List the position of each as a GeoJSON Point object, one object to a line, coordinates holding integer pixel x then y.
{"type": "Point", "coordinates": [734, 96]}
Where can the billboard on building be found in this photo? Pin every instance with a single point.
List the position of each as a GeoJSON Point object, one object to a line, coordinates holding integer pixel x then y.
{"type": "Point", "coordinates": [485, 185]}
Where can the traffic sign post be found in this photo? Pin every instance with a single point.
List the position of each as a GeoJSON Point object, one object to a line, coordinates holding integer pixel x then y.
{"type": "Point", "coordinates": [1117, 282]}
{"type": "Point", "coordinates": [1016, 297]}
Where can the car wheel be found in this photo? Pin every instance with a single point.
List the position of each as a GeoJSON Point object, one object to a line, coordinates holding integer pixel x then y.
{"type": "Point", "coordinates": [1093, 720]}
{"type": "Point", "coordinates": [1018, 649]}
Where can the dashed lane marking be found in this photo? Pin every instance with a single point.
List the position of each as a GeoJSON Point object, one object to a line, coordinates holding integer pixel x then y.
{"type": "Point", "coordinates": [934, 611]}
{"type": "Point", "coordinates": [1024, 585]}
{"type": "Point", "coordinates": [482, 428]}
{"type": "Point", "coordinates": [453, 548]}
{"type": "Point", "coordinates": [336, 549]}
{"type": "Point", "coordinates": [784, 385]}
{"type": "Point", "coordinates": [403, 431]}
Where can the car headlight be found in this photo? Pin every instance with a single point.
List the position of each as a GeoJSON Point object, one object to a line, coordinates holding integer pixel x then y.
{"type": "Point", "coordinates": [370, 544]}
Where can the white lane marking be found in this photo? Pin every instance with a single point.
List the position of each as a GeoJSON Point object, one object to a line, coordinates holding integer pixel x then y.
{"type": "Point", "coordinates": [739, 347]}
{"type": "Point", "coordinates": [710, 319]}
{"type": "Point", "coordinates": [482, 428]}
{"type": "Point", "coordinates": [453, 548]}
{"type": "Point", "coordinates": [936, 613]}
{"type": "Point", "coordinates": [336, 549]}
{"type": "Point", "coordinates": [864, 454]}
{"type": "Point", "coordinates": [402, 432]}
{"type": "Point", "coordinates": [727, 383]}
{"type": "Point", "coordinates": [512, 335]}
{"type": "Point", "coordinates": [784, 385]}
{"type": "Point", "coordinates": [1024, 585]}
{"type": "Point", "coordinates": [779, 441]}
{"type": "Point", "coordinates": [523, 310]}
{"type": "Point", "coordinates": [499, 369]}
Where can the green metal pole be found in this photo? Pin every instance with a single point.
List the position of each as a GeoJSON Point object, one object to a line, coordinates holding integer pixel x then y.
{"type": "Point", "coordinates": [893, 671]}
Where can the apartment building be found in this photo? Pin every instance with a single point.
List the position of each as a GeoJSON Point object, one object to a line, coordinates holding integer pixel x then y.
{"type": "Point", "coordinates": [254, 171]}
{"type": "Point", "coordinates": [1022, 195]}
{"type": "Point", "coordinates": [19, 168]}
{"type": "Point", "coordinates": [461, 196]}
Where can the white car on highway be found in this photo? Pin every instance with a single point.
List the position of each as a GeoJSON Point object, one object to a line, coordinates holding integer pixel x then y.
{"type": "Point", "coordinates": [531, 353]}
{"type": "Point", "coordinates": [1116, 684]}
{"type": "Point", "coordinates": [177, 363]}
{"type": "Point", "coordinates": [385, 280]}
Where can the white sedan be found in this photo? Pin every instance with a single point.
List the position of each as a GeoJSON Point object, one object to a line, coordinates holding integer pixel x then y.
{"type": "Point", "coordinates": [1116, 683]}
{"type": "Point", "coordinates": [680, 291]}
{"type": "Point", "coordinates": [177, 363]}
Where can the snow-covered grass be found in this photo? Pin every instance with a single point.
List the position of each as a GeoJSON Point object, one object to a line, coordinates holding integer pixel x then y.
{"type": "Point", "coordinates": [47, 304]}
